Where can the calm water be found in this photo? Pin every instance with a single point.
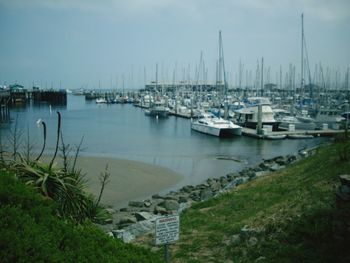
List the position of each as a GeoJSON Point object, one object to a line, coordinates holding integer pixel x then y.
{"type": "Point", "coordinates": [123, 131]}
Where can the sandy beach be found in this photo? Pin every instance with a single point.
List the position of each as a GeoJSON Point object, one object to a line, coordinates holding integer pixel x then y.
{"type": "Point", "coordinates": [129, 180]}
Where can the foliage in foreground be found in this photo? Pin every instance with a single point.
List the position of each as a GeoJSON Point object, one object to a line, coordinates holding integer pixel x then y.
{"type": "Point", "coordinates": [65, 184]}
{"type": "Point", "coordinates": [31, 232]}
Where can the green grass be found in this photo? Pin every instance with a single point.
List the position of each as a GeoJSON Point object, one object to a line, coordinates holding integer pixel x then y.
{"type": "Point", "coordinates": [30, 231]}
{"type": "Point", "coordinates": [292, 208]}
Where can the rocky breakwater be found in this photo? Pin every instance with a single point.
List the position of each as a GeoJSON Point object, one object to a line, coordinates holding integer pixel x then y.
{"type": "Point", "coordinates": [139, 217]}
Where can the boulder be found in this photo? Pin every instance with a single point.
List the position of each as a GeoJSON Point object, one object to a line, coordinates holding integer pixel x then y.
{"type": "Point", "coordinates": [182, 199]}
{"type": "Point", "coordinates": [215, 186]}
{"type": "Point", "coordinates": [169, 205]}
{"type": "Point", "coordinates": [206, 194]}
{"type": "Point", "coordinates": [187, 188]}
{"type": "Point", "coordinates": [235, 239]}
{"type": "Point", "coordinates": [141, 228]}
{"type": "Point", "coordinates": [345, 179]}
{"type": "Point", "coordinates": [157, 196]}
{"type": "Point", "coordinates": [160, 210]}
{"type": "Point", "coordinates": [110, 211]}
{"type": "Point", "coordinates": [125, 236]}
{"type": "Point", "coordinates": [128, 219]}
{"type": "Point", "coordinates": [261, 173]}
{"type": "Point", "coordinates": [195, 196]}
{"type": "Point", "coordinates": [147, 203]}
{"type": "Point", "coordinates": [140, 216]}
{"type": "Point", "coordinates": [136, 203]}
{"type": "Point", "coordinates": [252, 241]}
{"type": "Point", "coordinates": [247, 232]}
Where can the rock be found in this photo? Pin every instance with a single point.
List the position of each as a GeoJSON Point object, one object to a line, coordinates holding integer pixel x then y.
{"type": "Point", "coordinates": [110, 211]}
{"type": "Point", "coordinates": [187, 188]}
{"type": "Point", "coordinates": [344, 189]}
{"type": "Point", "coordinates": [182, 199]}
{"type": "Point", "coordinates": [252, 241]}
{"type": "Point", "coordinates": [141, 228]}
{"type": "Point", "coordinates": [345, 179]}
{"type": "Point", "coordinates": [136, 203]}
{"type": "Point", "coordinates": [260, 259]}
{"type": "Point", "coordinates": [247, 232]}
{"type": "Point", "coordinates": [125, 236]}
{"type": "Point", "coordinates": [215, 186]}
{"type": "Point", "coordinates": [223, 182]}
{"type": "Point", "coordinates": [183, 207]}
{"type": "Point", "coordinates": [169, 205]}
{"type": "Point", "coordinates": [127, 220]}
{"type": "Point", "coordinates": [275, 167]}
{"type": "Point", "coordinates": [140, 216]}
{"type": "Point", "coordinates": [291, 159]}
{"type": "Point", "coordinates": [147, 203]}
{"type": "Point", "coordinates": [195, 196]}
{"type": "Point", "coordinates": [205, 194]}
{"type": "Point", "coordinates": [235, 239]}
{"type": "Point", "coordinates": [170, 197]}
{"type": "Point", "coordinates": [160, 210]}
{"type": "Point", "coordinates": [279, 160]}
{"type": "Point", "coordinates": [261, 173]}
{"type": "Point", "coordinates": [108, 221]}
{"type": "Point", "coordinates": [157, 196]}
{"type": "Point", "coordinates": [124, 209]}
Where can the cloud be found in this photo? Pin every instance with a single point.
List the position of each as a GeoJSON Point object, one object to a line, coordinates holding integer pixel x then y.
{"type": "Point", "coordinates": [322, 9]}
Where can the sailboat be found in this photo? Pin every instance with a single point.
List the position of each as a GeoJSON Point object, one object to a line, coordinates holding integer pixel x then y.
{"type": "Point", "coordinates": [158, 107]}
{"type": "Point", "coordinates": [208, 123]}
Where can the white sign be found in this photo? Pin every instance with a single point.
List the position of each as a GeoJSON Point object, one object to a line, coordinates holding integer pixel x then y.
{"type": "Point", "coordinates": [167, 229]}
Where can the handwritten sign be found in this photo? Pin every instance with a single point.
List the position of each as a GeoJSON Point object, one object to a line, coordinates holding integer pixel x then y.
{"type": "Point", "coordinates": [167, 229]}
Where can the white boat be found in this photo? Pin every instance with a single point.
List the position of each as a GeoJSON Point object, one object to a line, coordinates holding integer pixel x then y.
{"type": "Point", "coordinates": [158, 109]}
{"type": "Point", "coordinates": [209, 124]}
{"type": "Point", "coordinates": [328, 116]}
{"type": "Point", "coordinates": [101, 100]}
{"type": "Point", "coordinates": [275, 136]}
{"type": "Point", "coordinates": [248, 115]}
{"type": "Point", "coordinates": [297, 123]}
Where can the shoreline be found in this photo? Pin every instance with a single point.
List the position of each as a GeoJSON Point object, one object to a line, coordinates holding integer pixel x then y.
{"type": "Point", "coordinates": [129, 180]}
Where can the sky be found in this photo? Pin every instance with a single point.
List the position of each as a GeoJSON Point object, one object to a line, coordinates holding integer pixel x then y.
{"type": "Point", "coordinates": [88, 43]}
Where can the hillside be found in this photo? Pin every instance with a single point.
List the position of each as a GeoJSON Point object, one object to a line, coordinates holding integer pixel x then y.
{"type": "Point", "coordinates": [30, 231]}
{"type": "Point", "coordinates": [288, 216]}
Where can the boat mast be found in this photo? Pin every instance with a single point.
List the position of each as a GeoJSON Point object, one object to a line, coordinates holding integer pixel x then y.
{"type": "Point", "coordinates": [302, 54]}
{"type": "Point", "coordinates": [221, 59]}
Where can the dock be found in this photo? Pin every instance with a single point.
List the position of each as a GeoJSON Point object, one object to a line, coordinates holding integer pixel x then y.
{"type": "Point", "coordinates": [279, 134]}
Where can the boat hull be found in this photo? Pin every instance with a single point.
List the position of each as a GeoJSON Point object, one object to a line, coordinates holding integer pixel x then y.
{"type": "Point", "coordinates": [219, 132]}
{"type": "Point", "coordinates": [155, 113]}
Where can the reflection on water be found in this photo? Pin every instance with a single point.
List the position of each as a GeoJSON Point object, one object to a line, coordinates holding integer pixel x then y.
{"type": "Point", "coordinates": [124, 131]}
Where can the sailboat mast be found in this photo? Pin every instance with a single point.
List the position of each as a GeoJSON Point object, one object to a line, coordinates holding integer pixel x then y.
{"type": "Point", "coordinates": [302, 53]}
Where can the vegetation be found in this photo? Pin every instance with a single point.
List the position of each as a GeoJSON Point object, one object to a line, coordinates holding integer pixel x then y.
{"type": "Point", "coordinates": [30, 231]}
{"type": "Point", "coordinates": [286, 217]}
{"type": "Point", "coordinates": [65, 185]}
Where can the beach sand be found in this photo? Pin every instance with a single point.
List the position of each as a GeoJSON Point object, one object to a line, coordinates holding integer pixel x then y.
{"type": "Point", "coordinates": [129, 180]}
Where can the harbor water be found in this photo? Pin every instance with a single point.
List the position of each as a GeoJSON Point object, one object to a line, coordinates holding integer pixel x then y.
{"type": "Point", "coordinates": [123, 131]}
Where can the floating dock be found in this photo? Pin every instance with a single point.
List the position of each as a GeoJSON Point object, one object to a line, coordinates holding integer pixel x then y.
{"type": "Point", "coordinates": [284, 134]}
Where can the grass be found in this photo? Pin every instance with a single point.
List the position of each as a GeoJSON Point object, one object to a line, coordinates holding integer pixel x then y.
{"type": "Point", "coordinates": [31, 231]}
{"type": "Point", "coordinates": [291, 212]}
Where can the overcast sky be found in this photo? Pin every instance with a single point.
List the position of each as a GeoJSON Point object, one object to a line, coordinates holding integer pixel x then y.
{"type": "Point", "coordinates": [80, 42]}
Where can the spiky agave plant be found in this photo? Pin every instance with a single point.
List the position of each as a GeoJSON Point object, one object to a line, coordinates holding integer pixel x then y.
{"type": "Point", "coordinates": [65, 186]}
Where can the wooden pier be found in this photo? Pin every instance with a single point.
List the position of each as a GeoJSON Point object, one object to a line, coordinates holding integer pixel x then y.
{"type": "Point", "coordinates": [4, 105]}
{"type": "Point", "coordinates": [50, 96]}
{"type": "Point", "coordinates": [279, 134]}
